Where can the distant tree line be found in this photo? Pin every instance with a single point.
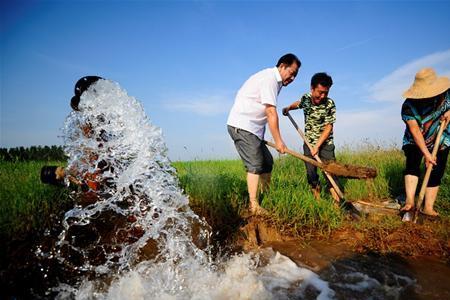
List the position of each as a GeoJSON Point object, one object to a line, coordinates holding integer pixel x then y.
{"type": "Point", "coordinates": [43, 153]}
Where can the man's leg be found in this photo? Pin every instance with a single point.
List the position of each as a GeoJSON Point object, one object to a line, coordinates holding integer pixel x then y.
{"type": "Point", "coordinates": [326, 154]}
{"type": "Point", "coordinates": [411, 182]}
{"type": "Point", "coordinates": [252, 186]}
{"type": "Point", "coordinates": [311, 174]}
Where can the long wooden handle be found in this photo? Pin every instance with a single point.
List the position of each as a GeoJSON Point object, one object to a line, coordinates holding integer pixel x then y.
{"type": "Point", "coordinates": [298, 155]}
{"type": "Point", "coordinates": [423, 188]}
{"type": "Point", "coordinates": [330, 178]}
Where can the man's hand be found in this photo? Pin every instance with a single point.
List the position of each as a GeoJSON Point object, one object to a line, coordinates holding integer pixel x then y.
{"type": "Point", "coordinates": [280, 146]}
{"type": "Point", "coordinates": [285, 111]}
{"type": "Point", "coordinates": [314, 151]}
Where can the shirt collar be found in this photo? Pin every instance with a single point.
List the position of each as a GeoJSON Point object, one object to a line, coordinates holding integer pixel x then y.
{"type": "Point", "coordinates": [277, 75]}
{"type": "Point", "coordinates": [279, 80]}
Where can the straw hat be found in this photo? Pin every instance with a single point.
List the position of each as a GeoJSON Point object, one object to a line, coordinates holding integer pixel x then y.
{"type": "Point", "coordinates": [426, 85]}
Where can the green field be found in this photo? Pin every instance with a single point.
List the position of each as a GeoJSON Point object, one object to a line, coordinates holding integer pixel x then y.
{"type": "Point", "coordinates": [27, 205]}
{"type": "Point", "coordinates": [217, 190]}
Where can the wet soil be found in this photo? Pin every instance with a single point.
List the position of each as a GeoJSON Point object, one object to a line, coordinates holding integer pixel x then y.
{"type": "Point", "coordinates": [411, 261]}
{"type": "Point", "coordinates": [388, 256]}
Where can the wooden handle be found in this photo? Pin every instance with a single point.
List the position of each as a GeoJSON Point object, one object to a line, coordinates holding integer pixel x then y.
{"type": "Point", "coordinates": [330, 178]}
{"type": "Point", "coordinates": [298, 155]}
{"type": "Point", "coordinates": [423, 188]}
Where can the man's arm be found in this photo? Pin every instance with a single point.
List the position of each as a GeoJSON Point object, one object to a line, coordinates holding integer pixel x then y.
{"type": "Point", "coordinates": [420, 142]}
{"type": "Point", "coordinates": [293, 106]}
{"type": "Point", "coordinates": [328, 128]}
{"type": "Point", "coordinates": [272, 119]}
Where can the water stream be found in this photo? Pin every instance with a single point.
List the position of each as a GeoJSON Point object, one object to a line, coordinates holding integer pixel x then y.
{"type": "Point", "coordinates": [132, 234]}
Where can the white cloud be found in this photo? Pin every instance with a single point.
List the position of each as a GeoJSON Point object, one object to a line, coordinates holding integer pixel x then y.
{"type": "Point", "coordinates": [202, 105]}
{"type": "Point", "coordinates": [391, 87]}
{"type": "Point", "coordinates": [382, 124]}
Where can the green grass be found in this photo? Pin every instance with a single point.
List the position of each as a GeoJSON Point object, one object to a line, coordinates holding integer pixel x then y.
{"type": "Point", "coordinates": [218, 190]}
{"type": "Point", "coordinates": [26, 204]}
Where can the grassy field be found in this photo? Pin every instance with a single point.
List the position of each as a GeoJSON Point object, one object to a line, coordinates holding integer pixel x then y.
{"type": "Point", "coordinates": [217, 190]}
{"type": "Point", "coordinates": [26, 204]}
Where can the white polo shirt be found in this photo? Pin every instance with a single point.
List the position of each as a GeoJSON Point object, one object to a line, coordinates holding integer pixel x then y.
{"type": "Point", "coordinates": [249, 110]}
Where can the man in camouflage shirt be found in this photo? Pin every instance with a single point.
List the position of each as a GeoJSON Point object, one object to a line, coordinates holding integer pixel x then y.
{"type": "Point", "coordinates": [320, 115]}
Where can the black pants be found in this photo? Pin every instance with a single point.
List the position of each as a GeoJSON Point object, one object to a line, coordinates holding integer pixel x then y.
{"type": "Point", "coordinates": [414, 159]}
{"type": "Point", "coordinates": [326, 153]}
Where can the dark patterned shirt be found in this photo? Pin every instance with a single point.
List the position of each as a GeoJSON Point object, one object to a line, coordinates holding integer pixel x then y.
{"type": "Point", "coordinates": [316, 117]}
{"type": "Point", "coordinates": [427, 114]}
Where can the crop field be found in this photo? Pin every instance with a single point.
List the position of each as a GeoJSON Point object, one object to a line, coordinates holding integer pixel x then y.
{"type": "Point", "coordinates": [217, 190]}
{"type": "Point", "coordinates": [26, 204]}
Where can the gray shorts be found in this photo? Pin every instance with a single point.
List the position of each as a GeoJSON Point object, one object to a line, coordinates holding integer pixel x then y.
{"type": "Point", "coordinates": [252, 150]}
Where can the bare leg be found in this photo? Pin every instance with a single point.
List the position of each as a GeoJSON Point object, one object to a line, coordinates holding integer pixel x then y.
{"type": "Point", "coordinates": [252, 185]}
{"type": "Point", "coordinates": [411, 182]}
{"type": "Point", "coordinates": [430, 198]}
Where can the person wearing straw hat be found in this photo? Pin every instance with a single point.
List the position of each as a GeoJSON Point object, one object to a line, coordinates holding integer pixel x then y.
{"type": "Point", "coordinates": [427, 104]}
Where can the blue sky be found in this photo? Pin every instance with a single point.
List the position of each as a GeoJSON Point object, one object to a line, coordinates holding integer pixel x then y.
{"type": "Point", "coordinates": [185, 61]}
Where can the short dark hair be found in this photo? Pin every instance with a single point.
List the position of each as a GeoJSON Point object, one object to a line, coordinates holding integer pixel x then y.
{"type": "Point", "coordinates": [289, 59]}
{"type": "Point", "coordinates": [321, 78]}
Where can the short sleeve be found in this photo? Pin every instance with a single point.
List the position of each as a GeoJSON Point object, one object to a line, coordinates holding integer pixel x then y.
{"type": "Point", "coordinates": [446, 104]}
{"type": "Point", "coordinates": [269, 91]}
{"type": "Point", "coordinates": [330, 117]}
{"type": "Point", "coordinates": [407, 112]}
{"type": "Point", "coordinates": [303, 101]}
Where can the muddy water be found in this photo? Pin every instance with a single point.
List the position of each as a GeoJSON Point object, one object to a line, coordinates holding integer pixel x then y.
{"type": "Point", "coordinates": [137, 237]}
{"type": "Point", "coordinates": [354, 275]}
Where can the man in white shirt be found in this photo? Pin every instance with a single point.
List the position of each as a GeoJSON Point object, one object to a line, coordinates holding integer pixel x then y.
{"type": "Point", "coordinates": [254, 106]}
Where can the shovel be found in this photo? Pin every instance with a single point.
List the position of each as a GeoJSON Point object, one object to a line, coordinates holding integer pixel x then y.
{"type": "Point", "coordinates": [348, 171]}
{"type": "Point", "coordinates": [333, 183]}
{"type": "Point", "coordinates": [428, 171]}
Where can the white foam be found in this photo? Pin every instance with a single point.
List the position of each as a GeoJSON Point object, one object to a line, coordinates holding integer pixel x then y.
{"type": "Point", "coordinates": [124, 138]}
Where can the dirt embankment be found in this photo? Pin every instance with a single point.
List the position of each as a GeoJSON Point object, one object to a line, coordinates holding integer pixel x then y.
{"type": "Point", "coordinates": [430, 237]}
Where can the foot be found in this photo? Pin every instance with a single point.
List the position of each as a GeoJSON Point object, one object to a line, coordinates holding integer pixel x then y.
{"type": "Point", "coordinates": [407, 207]}
{"type": "Point", "coordinates": [316, 192]}
{"type": "Point", "coordinates": [257, 210]}
{"type": "Point", "coordinates": [431, 213]}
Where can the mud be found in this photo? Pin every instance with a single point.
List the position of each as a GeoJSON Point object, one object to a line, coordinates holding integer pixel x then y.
{"type": "Point", "coordinates": [407, 262]}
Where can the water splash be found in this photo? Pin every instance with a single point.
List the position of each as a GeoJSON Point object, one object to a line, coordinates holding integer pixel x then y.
{"type": "Point", "coordinates": [132, 233]}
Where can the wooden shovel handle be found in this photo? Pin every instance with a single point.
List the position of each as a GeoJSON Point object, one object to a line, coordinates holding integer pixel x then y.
{"type": "Point", "coordinates": [423, 188]}
{"type": "Point", "coordinates": [330, 178]}
{"type": "Point", "coordinates": [298, 155]}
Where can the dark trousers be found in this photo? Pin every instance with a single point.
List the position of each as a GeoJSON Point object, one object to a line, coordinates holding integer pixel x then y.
{"type": "Point", "coordinates": [414, 159]}
{"type": "Point", "coordinates": [326, 153]}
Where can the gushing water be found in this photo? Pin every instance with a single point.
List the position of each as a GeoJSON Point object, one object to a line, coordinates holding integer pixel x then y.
{"type": "Point", "coordinates": [132, 234]}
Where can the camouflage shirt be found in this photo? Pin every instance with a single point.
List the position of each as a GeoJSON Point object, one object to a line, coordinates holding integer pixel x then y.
{"type": "Point", "coordinates": [316, 117]}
